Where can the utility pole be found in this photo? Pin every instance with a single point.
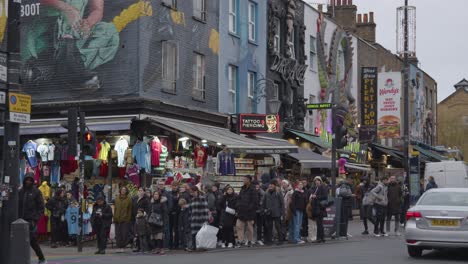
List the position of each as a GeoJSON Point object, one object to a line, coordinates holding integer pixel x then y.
{"type": "Point", "coordinates": [406, 137]}
{"type": "Point", "coordinates": [82, 161]}
{"type": "Point", "coordinates": [11, 147]}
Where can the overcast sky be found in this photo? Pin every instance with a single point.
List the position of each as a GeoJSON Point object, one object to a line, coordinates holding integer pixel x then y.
{"type": "Point", "coordinates": [441, 36]}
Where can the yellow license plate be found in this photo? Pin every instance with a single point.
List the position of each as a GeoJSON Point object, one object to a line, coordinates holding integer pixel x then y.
{"type": "Point", "coordinates": [443, 222]}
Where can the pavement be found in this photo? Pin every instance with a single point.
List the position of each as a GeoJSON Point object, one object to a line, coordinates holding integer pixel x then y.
{"type": "Point", "coordinates": [358, 249]}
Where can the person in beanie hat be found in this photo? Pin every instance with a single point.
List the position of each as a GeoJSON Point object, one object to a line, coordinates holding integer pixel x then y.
{"type": "Point", "coordinates": [273, 207]}
{"type": "Point", "coordinates": [31, 208]}
{"type": "Point", "coordinates": [247, 204]}
{"type": "Point", "coordinates": [101, 221]}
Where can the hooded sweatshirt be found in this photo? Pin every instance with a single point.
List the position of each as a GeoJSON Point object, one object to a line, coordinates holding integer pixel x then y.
{"type": "Point", "coordinates": [31, 203]}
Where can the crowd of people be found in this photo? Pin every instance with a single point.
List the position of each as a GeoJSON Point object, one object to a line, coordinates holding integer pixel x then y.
{"type": "Point", "coordinates": [264, 213]}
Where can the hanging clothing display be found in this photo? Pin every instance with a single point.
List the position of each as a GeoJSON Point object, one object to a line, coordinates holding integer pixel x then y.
{"type": "Point", "coordinates": [225, 164]}
{"type": "Point", "coordinates": [51, 153]}
{"type": "Point", "coordinates": [132, 174]}
{"type": "Point", "coordinates": [121, 147]}
{"type": "Point", "coordinates": [105, 148]}
{"type": "Point", "coordinates": [156, 149]}
{"type": "Point", "coordinates": [200, 156]}
{"type": "Point", "coordinates": [30, 149]}
{"type": "Point", "coordinates": [141, 153]}
{"type": "Point", "coordinates": [163, 158]}
{"type": "Point", "coordinates": [43, 150]}
{"type": "Point", "coordinates": [55, 173]}
{"type": "Point", "coordinates": [128, 157]}
{"type": "Point", "coordinates": [72, 216]}
{"type": "Point", "coordinates": [98, 151]}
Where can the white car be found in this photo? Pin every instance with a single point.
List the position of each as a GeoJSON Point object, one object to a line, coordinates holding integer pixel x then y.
{"type": "Point", "coordinates": [439, 220]}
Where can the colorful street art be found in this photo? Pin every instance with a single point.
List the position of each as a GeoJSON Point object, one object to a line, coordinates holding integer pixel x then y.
{"type": "Point", "coordinates": [335, 75]}
{"type": "Point", "coordinates": [418, 112]}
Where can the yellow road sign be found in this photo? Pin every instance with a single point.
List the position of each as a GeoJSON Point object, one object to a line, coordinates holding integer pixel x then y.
{"type": "Point", "coordinates": [19, 103]}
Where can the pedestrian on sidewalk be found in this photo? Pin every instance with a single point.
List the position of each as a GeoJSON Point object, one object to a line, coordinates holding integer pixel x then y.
{"type": "Point", "coordinates": [101, 221]}
{"type": "Point", "coordinates": [246, 208]}
{"type": "Point", "coordinates": [287, 192]}
{"type": "Point", "coordinates": [185, 232]}
{"type": "Point", "coordinates": [380, 205]}
{"type": "Point", "coordinates": [344, 191]}
{"type": "Point", "coordinates": [395, 196]}
{"type": "Point", "coordinates": [58, 206]}
{"type": "Point", "coordinates": [31, 208]}
{"type": "Point", "coordinates": [305, 220]}
{"type": "Point", "coordinates": [367, 205]}
{"type": "Point", "coordinates": [122, 218]}
{"type": "Point", "coordinates": [141, 230]}
{"type": "Point", "coordinates": [319, 200]}
{"type": "Point", "coordinates": [260, 216]}
{"type": "Point", "coordinates": [157, 221]}
{"type": "Point", "coordinates": [228, 217]}
{"type": "Point", "coordinates": [297, 207]}
{"type": "Point", "coordinates": [199, 213]}
{"type": "Point", "coordinates": [174, 216]}
{"type": "Point", "coordinates": [273, 206]}
{"type": "Point", "coordinates": [141, 201]}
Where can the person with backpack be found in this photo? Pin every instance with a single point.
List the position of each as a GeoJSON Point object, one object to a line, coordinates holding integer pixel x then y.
{"type": "Point", "coordinates": [367, 205]}
{"type": "Point", "coordinates": [345, 192]}
{"type": "Point", "coordinates": [379, 194]}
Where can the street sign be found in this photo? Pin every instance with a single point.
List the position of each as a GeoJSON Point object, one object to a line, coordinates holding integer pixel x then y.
{"type": "Point", "coordinates": [319, 106]}
{"type": "Point", "coordinates": [20, 108]}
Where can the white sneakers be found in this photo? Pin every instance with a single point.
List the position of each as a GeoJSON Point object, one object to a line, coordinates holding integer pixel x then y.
{"type": "Point", "coordinates": [260, 243]}
{"type": "Point", "coordinates": [230, 245]}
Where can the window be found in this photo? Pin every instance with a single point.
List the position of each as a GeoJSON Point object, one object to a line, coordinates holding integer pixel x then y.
{"type": "Point", "coordinates": [198, 91]}
{"type": "Point", "coordinates": [170, 3]}
{"type": "Point", "coordinates": [199, 9]}
{"type": "Point", "coordinates": [313, 52]}
{"type": "Point", "coordinates": [232, 89]}
{"type": "Point", "coordinates": [292, 42]}
{"type": "Point", "coordinates": [252, 21]}
{"type": "Point", "coordinates": [277, 36]}
{"type": "Point", "coordinates": [275, 92]}
{"type": "Point", "coordinates": [430, 99]}
{"type": "Point", "coordinates": [170, 63]}
{"type": "Point", "coordinates": [251, 80]}
{"type": "Point", "coordinates": [233, 16]}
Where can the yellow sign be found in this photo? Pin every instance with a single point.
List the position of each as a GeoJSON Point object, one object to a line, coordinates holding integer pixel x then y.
{"type": "Point", "coordinates": [20, 103]}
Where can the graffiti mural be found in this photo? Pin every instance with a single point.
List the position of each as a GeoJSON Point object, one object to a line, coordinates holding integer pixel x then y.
{"type": "Point", "coordinates": [418, 110]}
{"type": "Point", "coordinates": [335, 75]}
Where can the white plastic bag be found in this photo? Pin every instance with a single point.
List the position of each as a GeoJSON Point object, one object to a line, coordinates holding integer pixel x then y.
{"type": "Point", "coordinates": [112, 232]}
{"type": "Point", "coordinates": [206, 237]}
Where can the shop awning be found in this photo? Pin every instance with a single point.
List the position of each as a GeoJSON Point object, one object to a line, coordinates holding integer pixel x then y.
{"type": "Point", "coordinates": [310, 159]}
{"type": "Point", "coordinates": [53, 126]}
{"type": "Point", "coordinates": [311, 138]}
{"type": "Point", "coordinates": [429, 154]}
{"type": "Point", "coordinates": [356, 166]}
{"type": "Point", "coordinates": [389, 151]}
{"type": "Point", "coordinates": [223, 137]}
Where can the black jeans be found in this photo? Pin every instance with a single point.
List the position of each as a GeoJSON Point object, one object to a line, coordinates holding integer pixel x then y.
{"type": "Point", "coordinates": [228, 235]}
{"type": "Point", "coordinates": [33, 241]}
{"type": "Point", "coordinates": [58, 230]}
{"type": "Point", "coordinates": [269, 223]}
{"type": "Point", "coordinates": [259, 222]}
{"type": "Point", "coordinates": [367, 216]}
{"type": "Point", "coordinates": [101, 236]}
{"type": "Point", "coordinates": [174, 230]}
{"type": "Point", "coordinates": [380, 212]}
{"type": "Point", "coordinates": [320, 229]}
{"type": "Point", "coordinates": [345, 212]}
{"type": "Point", "coordinates": [305, 226]}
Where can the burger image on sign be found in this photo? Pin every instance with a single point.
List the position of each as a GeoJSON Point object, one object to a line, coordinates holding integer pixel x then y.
{"type": "Point", "coordinates": [388, 127]}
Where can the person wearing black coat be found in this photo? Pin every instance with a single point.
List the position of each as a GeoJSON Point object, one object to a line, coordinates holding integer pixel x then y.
{"type": "Point", "coordinates": [228, 217]}
{"type": "Point", "coordinates": [174, 217]}
{"type": "Point", "coordinates": [159, 207]}
{"type": "Point", "coordinates": [58, 206]}
{"type": "Point", "coordinates": [319, 207]}
{"type": "Point", "coordinates": [273, 206]}
{"type": "Point", "coordinates": [30, 209]}
{"type": "Point", "coordinates": [246, 208]}
{"type": "Point", "coordinates": [298, 207]}
{"type": "Point", "coordinates": [101, 221]}
{"type": "Point", "coordinates": [184, 228]}
{"type": "Point", "coordinates": [142, 201]}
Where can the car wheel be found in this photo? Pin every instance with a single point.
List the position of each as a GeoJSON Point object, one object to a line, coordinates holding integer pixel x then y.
{"type": "Point", "coordinates": [415, 252]}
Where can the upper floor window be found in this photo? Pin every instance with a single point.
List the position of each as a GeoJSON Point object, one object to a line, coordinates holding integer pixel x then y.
{"type": "Point", "coordinates": [170, 63]}
{"type": "Point", "coordinates": [251, 79]}
{"type": "Point", "coordinates": [198, 91]}
{"type": "Point", "coordinates": [252, 16]}
{"type": "Point", "coordinates": [232, 89]}
{"type": "Point", "coordinates": [233, 16]}
{"type": "Point", "coordinates": [170, 3]}
{"type": "Point", "coordinates": [275, 92]}
{"type": "Point", "coordinates": [199, 9]}
{"type": "Point", "coordinates": [312, 53]}
{"type": "Point", "coordinates": [277, 35]}
{"type": "Point", "coordinates": [291, 44]}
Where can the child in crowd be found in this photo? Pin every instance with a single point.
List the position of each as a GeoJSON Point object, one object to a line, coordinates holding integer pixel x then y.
{"type": "Point", "coordinates": [185, 235]}
{"type": "Point", "coordinates": [142, 230]}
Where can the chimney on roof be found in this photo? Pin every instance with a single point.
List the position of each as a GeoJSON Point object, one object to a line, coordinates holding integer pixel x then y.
{"type": "Point", "coordinates": [366, 28]}
{"type": "Point", "coordinates": [345, 14]}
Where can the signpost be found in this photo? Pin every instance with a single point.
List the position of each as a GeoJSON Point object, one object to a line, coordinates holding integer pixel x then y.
{"type": "Point", "coordinates": [20, 108]}
{"type": "Point", "coordinates": [319, 106]}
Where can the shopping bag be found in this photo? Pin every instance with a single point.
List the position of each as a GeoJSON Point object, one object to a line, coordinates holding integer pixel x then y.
{"type": "Point", "coordinates": [112, 232]}
{"type": "Point", "coordinates": [206, 237]}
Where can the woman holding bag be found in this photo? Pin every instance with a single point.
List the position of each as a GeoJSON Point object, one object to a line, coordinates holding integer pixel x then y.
{"type": "Point", "coordinates": [157, 219]}
{"type": "Point", "coordinates": [199, 213]}
{"type": "Point", "coordinates": [228, 217]}
{"type": "Point", "coordinates": [319, 209]}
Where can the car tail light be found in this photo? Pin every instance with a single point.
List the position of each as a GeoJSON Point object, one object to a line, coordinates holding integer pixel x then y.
{"type": "Point", "coordinates": [411, 241]}
{"type": "Point", "coordinates": [410, 215]}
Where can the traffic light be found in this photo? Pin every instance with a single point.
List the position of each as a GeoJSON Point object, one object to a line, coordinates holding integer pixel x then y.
{"type": "Point", "coordinates": [317, 131]}
{"type": "Point", "coordinates": [72, 126]}
{"type": "Point", "coordinates": [340, 130]}
{"type": "Point", "coordinates": [89, 146]}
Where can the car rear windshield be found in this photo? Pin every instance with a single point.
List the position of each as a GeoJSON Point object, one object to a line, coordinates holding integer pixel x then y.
{"type": "Point", "coordinates": [445, 199]}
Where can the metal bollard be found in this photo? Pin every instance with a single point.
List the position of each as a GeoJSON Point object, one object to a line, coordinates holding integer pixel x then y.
{"type": "Point", "coordinates": [19, 242]}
